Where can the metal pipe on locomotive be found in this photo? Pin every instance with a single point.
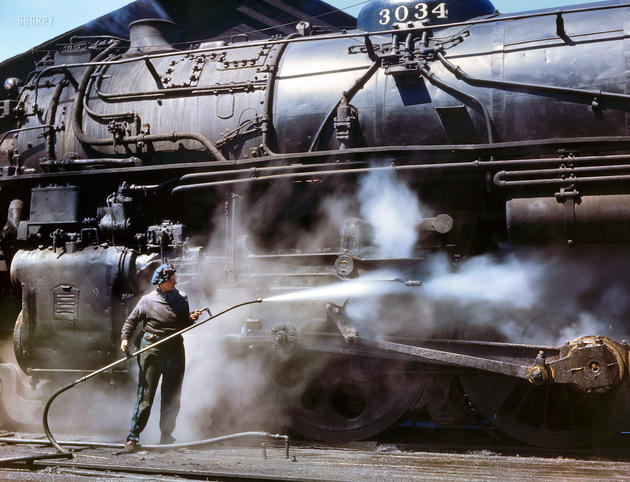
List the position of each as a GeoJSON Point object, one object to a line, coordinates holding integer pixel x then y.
{"type": "Point", "coordinates": [512, 129]}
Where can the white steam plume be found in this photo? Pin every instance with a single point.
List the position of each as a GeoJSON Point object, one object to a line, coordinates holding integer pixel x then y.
{"type": "Point", "coordinates": [392, 210]}
{"type": "Point", "coordinates": [510, 282]}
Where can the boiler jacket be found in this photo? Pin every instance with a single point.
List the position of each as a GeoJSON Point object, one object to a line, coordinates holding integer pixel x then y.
{"type": "Point", "coordinates": [161, 314]}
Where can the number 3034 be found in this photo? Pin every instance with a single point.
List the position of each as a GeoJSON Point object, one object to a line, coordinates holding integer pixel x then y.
{"type": "Point", "coordinates": [420, 11]}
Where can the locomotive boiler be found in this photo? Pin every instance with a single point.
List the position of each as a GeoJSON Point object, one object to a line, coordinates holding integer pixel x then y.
{"type": "Point", "coordinates": [222, 158]}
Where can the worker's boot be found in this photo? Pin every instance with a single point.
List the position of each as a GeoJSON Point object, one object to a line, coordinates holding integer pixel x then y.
{"type": "Point", "coordinates": [130, 447]}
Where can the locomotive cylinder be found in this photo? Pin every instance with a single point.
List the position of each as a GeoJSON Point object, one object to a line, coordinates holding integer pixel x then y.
{"type": "Point", "coordinates": [71, 300]}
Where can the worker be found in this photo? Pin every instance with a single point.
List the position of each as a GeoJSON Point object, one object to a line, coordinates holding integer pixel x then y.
{"type": "Point", "coordinates": [162, 312]}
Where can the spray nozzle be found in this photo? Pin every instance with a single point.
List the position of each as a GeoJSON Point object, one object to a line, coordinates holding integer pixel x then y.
{"type": "Point", "coordinates": [408, 282]}
{"type": "Point", "coordinates": [201, 310]}
{"type": "Point", "coordinates": [413, 283]}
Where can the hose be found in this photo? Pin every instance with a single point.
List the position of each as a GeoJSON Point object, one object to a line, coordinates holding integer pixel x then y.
{"type": "Point", "coordinates": [109, 445]}
{"type": "Point", "coordinates": [47, 431]}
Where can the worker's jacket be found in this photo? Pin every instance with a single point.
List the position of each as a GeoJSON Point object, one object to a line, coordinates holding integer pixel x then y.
{"type": "Point", "coordinates": [160, 313]}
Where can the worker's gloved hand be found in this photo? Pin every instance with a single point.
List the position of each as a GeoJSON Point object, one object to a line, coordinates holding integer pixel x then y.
{"type": "Point", "coordinates": [123, 346]}
{"type": "Point", "coordinates": [194, 316]}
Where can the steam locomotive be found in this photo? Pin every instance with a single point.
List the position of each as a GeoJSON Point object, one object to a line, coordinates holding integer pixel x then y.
{"type": "Point", "coordinates": [223, 157]}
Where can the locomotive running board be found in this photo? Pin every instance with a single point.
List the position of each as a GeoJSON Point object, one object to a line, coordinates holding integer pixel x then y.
{"type": "Point", "coordinates": [591, 364]}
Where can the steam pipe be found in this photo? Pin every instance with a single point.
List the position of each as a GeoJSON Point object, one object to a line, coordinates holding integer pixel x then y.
{"type": "Point", "coordinates": [47, 431]}
{"type": "Point", "coordinates": [202, 89]}
{"type": "Point", "coordinates": [76, 116]}
{"type": "Point", "coordinates": [358, 85]}
{"type": "Point", "coordinates": [92, 113]}
{"type": "Point", "coordinates": [369, 47]}
{"type": "Point", "coordinates": [498, 179]}
{"type": "Point", "coordinates": [409, 41]}
{"type": "Point", "coordinates": [103, 162]}
{"type": "Point", "coordinates": [331, 172]}
{"type": "Point", "coordinates": [97, 115]}
{"type": "Point", "coordinates": [50, 118]}
{"type": "Point", "coordinates": [435, 80]}
{"type": "Point", "coordinates": [460, 74]}
{"type": "Point", "coordinates": [22, 129]}
{"type": "Point", "coordinates": [566, 171]}
{"type": "Point", "coordinates": [252, 171]}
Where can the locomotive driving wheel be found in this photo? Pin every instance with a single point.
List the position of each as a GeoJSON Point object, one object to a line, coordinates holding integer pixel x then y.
{"type": "Point", "coordinates": [342, 398]}
{"type": "Point", "coordinates": [550, 415]}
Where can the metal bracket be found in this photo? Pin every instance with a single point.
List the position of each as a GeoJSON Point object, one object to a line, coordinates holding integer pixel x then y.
{"type": "Point", "coordinates": [569, 197]}
{"type": "Point", "coordinates": [562, 33]}
{"type": "Point", "coordinates": [560, 29]}
{"type": "Point", "coordinates": [154, 73]}
{"type": "Point", "coordinates": [337, 313]}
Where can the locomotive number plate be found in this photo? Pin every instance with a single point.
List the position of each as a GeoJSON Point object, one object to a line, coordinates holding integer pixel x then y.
{"type": "Point", "coordinates": [420, 11]}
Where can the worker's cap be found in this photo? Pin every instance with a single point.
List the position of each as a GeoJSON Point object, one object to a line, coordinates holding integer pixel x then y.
{"type": "Point", "coordinates": [163, 273]}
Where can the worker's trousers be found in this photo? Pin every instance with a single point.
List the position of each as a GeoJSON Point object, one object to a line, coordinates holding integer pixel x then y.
{"type": "Point", "coordinates": [169, 362]}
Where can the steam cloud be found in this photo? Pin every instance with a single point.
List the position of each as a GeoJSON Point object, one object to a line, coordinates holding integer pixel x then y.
{"type": "Point", "coordinates": [393, 211]}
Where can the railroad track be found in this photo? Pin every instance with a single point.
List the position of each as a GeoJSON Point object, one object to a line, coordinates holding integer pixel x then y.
{"type": "Point", "coordinates": [465, 452]}
{"type": "Point", "coordinates": [93, 469]}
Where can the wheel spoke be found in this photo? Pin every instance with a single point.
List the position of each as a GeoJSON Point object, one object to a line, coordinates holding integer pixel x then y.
{"type": "Point", "coordinates": [522, 402]}
{"type": "Point", "coordinates": [546, 407]}
{"type": "Point", "coordinates": [504, 392]}
{"type": "Point", "coordinates": [569, 406]}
